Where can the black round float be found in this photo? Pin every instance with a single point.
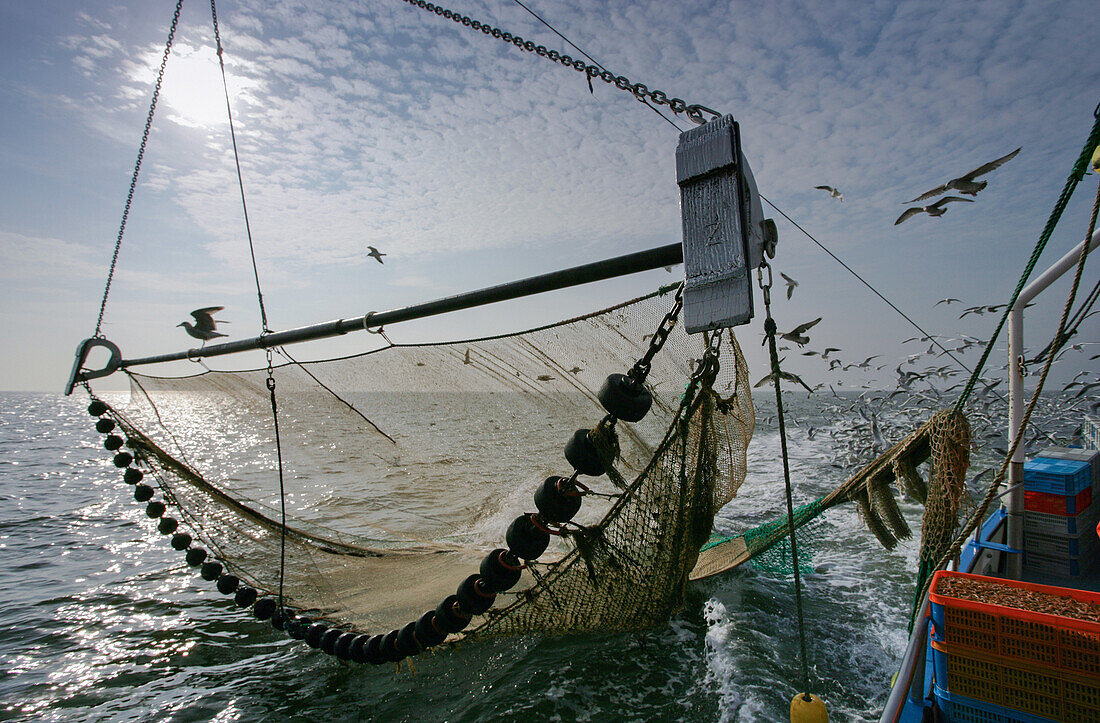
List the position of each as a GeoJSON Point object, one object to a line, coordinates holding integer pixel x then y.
{"type": "Point", "coordinates": [278, 619]}
{"type": "Point", "coordinates": [245, 596]}
{"type": "Point", "coordinates": [390, 653]}
{"type": "Point", "coordinates": [557, 499]}
{"type": "Point", "coordinates": [227, 584]}
{"type": "Point", "coordinates": [426, 631]}
{"type": "Point", "coordinates": [113, 442]}
{"type": "Point", "coordinates": [196, 556]}
{"type": "Point", "coordinates": [406, 642]}
{"type": "Point", "coordinates": [358, 650]}
{"type": "Point", "coordinates": [143, 493]}
{"type": "Point", "coordinates": [329, 640]}
{"type": "Point", "coordinates": [625, 398]}
{"type": "Point", "coordinates": [581, 453]}
{"type": "Point", "coordinates": [97, 408]}
{"type": "Point", "coordinates": [105, 425]}
{"type": "Point", "coordinates": [447, 618]}
{"type": "Point", "coordinates": [526, 539]}
{"type": "Point", "coordinates": [372, 650]}
{"type": "Point", "coordinates": [314, 633]}
{"type": "Point", "coordinates": [181, 541]}
{"type": "Point", "coordinates": [342, 650]}
{"type": "Point", "coordinates": [264, 608]}
{"type": "Point", "coordinates": [500, 570]}
{"type": "Point", "coordinates": [132, 476]}
{"type": "Point", "coordinates": [473, 597]}
{"type": "Point", "coordinates": [210, 571]}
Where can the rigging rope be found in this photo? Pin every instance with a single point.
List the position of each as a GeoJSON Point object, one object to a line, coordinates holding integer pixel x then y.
{"type": "Point", "coordinates": [237, 162]}
{"type": "Point", "coordinates": [137, 166]}
{"type": "Point", "coordinates": [770, 329]}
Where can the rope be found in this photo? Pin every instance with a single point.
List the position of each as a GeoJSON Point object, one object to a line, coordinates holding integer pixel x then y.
{"type": "Point", "coordinates": [237, 162]}
{"type": "Point", "coordinates": [770, 329]}
{"type": "Point", "coordinates": [1075, 176]}
{"type": "Point", "coordinates": [137, 167]}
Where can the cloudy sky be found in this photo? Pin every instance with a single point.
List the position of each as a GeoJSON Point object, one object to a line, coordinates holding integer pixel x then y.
{"type": "Point", "coordinates": [470, 163]}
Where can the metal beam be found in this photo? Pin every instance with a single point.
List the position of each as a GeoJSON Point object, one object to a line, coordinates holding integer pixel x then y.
{"type": "Point", "coordinates": [597, 271]}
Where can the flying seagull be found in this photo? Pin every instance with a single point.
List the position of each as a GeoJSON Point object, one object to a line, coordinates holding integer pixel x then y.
{"type": "Point", "coordinates": [204, 324]}
{"type": "Point", "coordinates": [791, 283]}
{"type": "Point", "coordinates": [376, 254]}
{"type": "Point", "coordinates": [797, 334]}
{"type": "Point", "coordinates": [936, 209]}
{"type": "Point", "coordinates": [966, 184]}
{"type": "Point", "coordinates": [832, 192]}
{"type": "Point", "coordinates": [783, 375]}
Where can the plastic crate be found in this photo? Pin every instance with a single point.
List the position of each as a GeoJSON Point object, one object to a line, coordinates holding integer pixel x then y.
{"type": "Point", "coordinates": [1080, 547]}
{"type": "Point", "coordinates": [1030, 637]}
{"type": "Point", "coordinates": [1041, 564]}
{"type": "Point", "coordinates": [1090, 433]}
{"type": "Point", "coordinates": [1077, 454]}
{"type": "Point", "coordinates": [960, 709]}
{"type": "Point", "coordinates": [1027, 692]}
{"type": "Point", "coordinates": [1053, 504]}
{"type": "Point", "coordinates": [1047, 524]}
{"type": "Point", "coordinates": [1057, 476]}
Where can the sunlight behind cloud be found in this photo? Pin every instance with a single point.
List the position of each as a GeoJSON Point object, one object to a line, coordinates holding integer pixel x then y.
{"type": "Point", "coordinates": [193, 87]}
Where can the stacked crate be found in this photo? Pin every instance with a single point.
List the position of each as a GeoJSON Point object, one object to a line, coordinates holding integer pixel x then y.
{"type": "Point", "coordinates": [995, 663]}
{"type": "Point", "coordinates": [1060, 514]}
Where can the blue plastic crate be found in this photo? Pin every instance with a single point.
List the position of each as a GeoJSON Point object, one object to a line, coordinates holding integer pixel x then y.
{"type": "Point", "coordinates": [1057, 476]}
{"type": "Point", "coordinates": [960, 709]}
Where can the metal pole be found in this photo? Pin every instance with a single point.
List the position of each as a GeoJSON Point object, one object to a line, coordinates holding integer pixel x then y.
{"type": "Point", "coordinates": [597, 271]}
{"type": "Point", "coordinates": [1014, 502]}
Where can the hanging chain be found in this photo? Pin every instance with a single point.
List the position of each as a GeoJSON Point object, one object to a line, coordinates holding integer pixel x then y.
{"type": "Point", "coordinates": [639, 90]}
{"type": "Point", "coordinates": [137, 167]}
{"type": "Point", "coordinates": [770, 330]}
{"type": "Point", "coordinates": [641, 368]}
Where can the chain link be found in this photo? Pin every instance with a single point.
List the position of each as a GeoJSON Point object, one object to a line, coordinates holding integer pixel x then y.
{"type": "Point", "coordinates": [641, 368]}
{"type": "Point", "coordinates": [695, 112]}
{"type": "Point", "coordinates": [137, 168]}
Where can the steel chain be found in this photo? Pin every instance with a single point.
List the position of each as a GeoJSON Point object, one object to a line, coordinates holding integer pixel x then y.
{"type": "Point", "coordinates": [640, 90]}
{"type": "Point", "coordinates": [641, 368]}
{"type": "Point", "coordinates": [137, 168]}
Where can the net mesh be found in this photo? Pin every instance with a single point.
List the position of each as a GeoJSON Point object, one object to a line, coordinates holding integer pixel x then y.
{"type": "Point", "coordinates": [404, 466]}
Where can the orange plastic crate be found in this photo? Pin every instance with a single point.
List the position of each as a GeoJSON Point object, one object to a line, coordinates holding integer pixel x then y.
{"type": "Point", "coordinates": [1035, 690]}
{"type": "Point", "coordinates": [1022, 635]}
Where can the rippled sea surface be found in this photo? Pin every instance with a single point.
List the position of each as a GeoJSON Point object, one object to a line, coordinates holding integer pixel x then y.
{"type": "Point", "coordinates": [101, 620]}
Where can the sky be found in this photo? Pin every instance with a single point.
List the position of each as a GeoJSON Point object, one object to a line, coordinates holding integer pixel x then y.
{"type": "Point", "coordinates": [470, 163]}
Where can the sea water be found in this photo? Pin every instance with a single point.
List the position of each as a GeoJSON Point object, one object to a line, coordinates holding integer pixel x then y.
{"type": "Point", "coordinates": [101, 620]}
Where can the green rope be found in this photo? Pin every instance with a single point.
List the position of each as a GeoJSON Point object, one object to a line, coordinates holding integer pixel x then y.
{"type": "Point", "coordinates": [1075, 177]}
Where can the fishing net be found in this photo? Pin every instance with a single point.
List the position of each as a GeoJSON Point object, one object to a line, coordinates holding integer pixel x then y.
{"type": "Point", "coordinates": [404, 466]}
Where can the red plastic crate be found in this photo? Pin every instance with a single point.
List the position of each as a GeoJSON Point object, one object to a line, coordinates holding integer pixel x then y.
{"type": "Point", "coordinates": [1052, 504]}
{"type": "Point", "coordinates": [1022, 635]}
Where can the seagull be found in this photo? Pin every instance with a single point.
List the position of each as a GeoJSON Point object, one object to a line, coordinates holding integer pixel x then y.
{"type": "Point", "coordinates": [783, 375]}
{"type": "Point", "coordinates": [936, 209]}
{"type": "Point", "coordinates": [791, 283]}
{"type": "Point", "coordinates": [204, 324]}
{"type": "Point", "coordinates": [966, 184]}
{"type": "Point", "coordinates": [832, 192]}
{"type": "Point", "coordinates": [797, 334]}
{"type": "Point", "coordinates": [376, 254]}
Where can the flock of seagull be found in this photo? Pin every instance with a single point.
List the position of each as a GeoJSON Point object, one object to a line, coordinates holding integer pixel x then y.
{"type": "Point", "coordinates": [965, 184]}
